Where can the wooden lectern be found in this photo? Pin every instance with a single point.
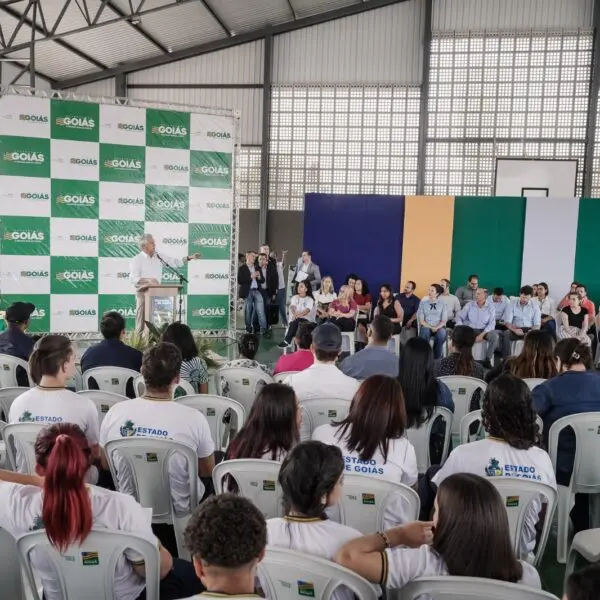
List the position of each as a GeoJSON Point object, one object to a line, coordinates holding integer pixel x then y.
{"type": "Point", "coordinates": [160, 302]}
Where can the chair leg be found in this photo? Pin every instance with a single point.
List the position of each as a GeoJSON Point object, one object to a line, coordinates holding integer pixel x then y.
{"type": "Point", "coordinates": [572, 559]}
{"type": "Point", "coordinates": [564, 502]}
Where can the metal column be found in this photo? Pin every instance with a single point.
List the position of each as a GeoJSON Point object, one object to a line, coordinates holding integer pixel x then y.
{"type": "Point", "coordinates": [121, 85]}
{"type": "Point", "coordinates": [32, 47]}
{"type": "Point", "coordinates": [423, 110]}
{"type": "Point", "coordinates": [266, 137]}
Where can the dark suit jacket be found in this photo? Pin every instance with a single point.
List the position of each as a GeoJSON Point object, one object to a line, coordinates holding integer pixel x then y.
{"type": "Point", "coordinates": [111, 353]}
{"type": "Point", "coordinates": [245, 280]}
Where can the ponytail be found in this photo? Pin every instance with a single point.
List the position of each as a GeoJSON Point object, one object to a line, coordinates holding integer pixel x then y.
{"type": "Point", "coordinates": [464, 365]}
{"type": "Point", "coordinates": [49, 355]}
{"type": "Point", "coordinates": [463, 340]}
{"type": "Point", "coordinates": [573, 352]}
{"type": "Point", "coordinates": [63, 452]}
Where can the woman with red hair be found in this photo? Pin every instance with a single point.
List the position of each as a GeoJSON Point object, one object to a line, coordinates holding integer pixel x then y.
{"type": "Point", "coordinates": [59, 501]}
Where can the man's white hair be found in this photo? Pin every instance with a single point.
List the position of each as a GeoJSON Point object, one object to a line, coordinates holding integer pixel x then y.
{"type": "Point", "coordinates": [147, 237]}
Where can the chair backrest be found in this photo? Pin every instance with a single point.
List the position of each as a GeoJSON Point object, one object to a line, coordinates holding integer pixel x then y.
{"type": "Point", "coordinates": [104, 401]}
{"type": "Point", "coordinates": [110, 379]}
{"type": "Point", "coordinates": [214, 409]}
{"type": "Point", "coordinates": [467, 588]}
{"type": "Point", "coordinates": [139, 387]}
{"type": "Point", "coordinates": [322, 411]}
{"type": "Point", "coordinates": [287, 574]}
{"type": "Point", "coordinates": [586, 468]}
{"type": "Point", "coordinates": [256, 480]}
{"type": "Point", "coordinates": [243, 384]}
{"type": "Point", "coordinates": [462, 389]}
{"type": "Point", "coordinates": [533, 382]}
{"type": "Point", "coordinates": [76, 382]}
{"type": "Point", "coordinates": [281, 377]}
{"type": "Point", "coordinates": [7, 396]}
{"type": "Point", "coordinates": [8, 370]}
{"type": "Point", "coordinates": [367, 501]}
{"type": "Point", "coordinates": [475, 417]}
{"type": "Point", "coordinates": [420, 438]}
{"type": "Point", "coordinates": [21, 437]}
{"type": "Point", "coordinates": [101, 549]}
{"type": "Point", "coordinates": [11, 582]}
{"type": "Point", "coordinates": [517, 496]}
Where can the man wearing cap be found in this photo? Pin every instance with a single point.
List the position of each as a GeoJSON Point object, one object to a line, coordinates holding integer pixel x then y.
{"type": "Point", "coordinates": [322, 379]}
{"type": "Point", "coordinates": [14, 341]}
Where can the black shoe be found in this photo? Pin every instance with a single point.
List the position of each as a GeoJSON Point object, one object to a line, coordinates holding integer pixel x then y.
{"type": "Point", "coordinates": [487, 364]}
{"type": "Point", "coordinates": [267, 334]}
{"type": "Point", "coordinates": [283, 344]}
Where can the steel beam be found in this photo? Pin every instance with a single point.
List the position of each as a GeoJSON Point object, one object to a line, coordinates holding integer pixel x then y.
{"type": "Point", "coordinates": [424, 103]}
{"type": "Point", "coordinates": [266, 137]}
{"type": "Point", "coordinates": [213, 13]}
{"type": "Point", "coordinates": [195, 86]}
{"type": "Point", "coordinates": [292, 9]}
{"type": "Point", "coordinates": [229, 42]}
{"type": "Point", "coordinates": [32, 49]}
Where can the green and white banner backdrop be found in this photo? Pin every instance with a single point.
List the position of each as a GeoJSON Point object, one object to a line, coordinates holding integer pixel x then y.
{"type": "Point", "coordinates": [81, 180]}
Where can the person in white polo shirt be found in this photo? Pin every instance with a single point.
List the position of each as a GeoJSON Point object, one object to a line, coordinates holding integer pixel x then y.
{"type": "Point", "coordinates": [156, 415]}
{"type": "Point", "coordinates": [510, 451]}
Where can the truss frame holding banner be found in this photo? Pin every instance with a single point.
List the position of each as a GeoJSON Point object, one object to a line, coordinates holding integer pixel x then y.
{"type": "Point", "coordinates": [73, 212]}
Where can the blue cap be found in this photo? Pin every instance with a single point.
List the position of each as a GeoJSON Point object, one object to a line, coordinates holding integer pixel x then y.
{"type": "Point", "coordinates": [327, 337]}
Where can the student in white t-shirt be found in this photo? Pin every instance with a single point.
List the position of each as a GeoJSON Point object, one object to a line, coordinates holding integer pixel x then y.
{"type": "Point", "coordinates": [510, 451]}
{"type": "Point", "coordinates": [59, 501]}
{"type": "Point", "coordinates": [468, 537]}
{"type": "Point", "coordinates": [52, 365]}
{"type": "Point", "coordinates": [311, 478]}
{"type": "Point", "coordinates": [302, 309]}
{"type": "Point", "coordinates": [156, 415]}
{"type": "Point", "coordinates": [372, 439]}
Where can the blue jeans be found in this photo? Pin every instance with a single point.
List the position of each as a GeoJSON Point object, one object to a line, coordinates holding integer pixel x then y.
{"type": "Point", "coordinates": [281, 304]}
{"type": "Point", "coordinates": [439, 337]}
{"type": "Point", "coordinates": [550, 327]}
{"type": "Point", "coordinates": [254, 302]}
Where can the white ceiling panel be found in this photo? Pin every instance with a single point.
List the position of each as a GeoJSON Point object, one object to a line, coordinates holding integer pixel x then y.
{"type": "Point", "coordinates": [306, 8]}
{"type": "Point", "coordinates": [245, 15]}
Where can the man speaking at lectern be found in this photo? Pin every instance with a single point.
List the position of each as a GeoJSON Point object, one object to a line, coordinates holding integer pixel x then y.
{"type": "Point", "coordinates": [146, 269]}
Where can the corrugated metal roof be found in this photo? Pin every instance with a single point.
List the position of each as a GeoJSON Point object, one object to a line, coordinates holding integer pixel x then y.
{"type": "Point", "coordinates": [73, 17]}
{"type": "Point", "coordinates": [246, 15]}
{"type": "Point", "coordinates": [305, 8]}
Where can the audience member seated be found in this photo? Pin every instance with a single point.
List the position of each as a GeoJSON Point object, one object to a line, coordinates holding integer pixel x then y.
{"type": "Point", "coordinates": [575, 390]}
{"type": "Point", "coordinates": [536, 360]}
{"type": "Point", "coordinates": [312, 478]}
{"type": "Point", "coordinates": [364, 303]}
{"type": "Point", "coordinates": [249, 280]}
{"type": "Point", "coordinates": [307, 271]}
{"type": "Point", "coordinates": [155, 415]}
{"type": "Point", "coordinates": [574, 321]}
{"type": "Point", "coordinates": [469, 536]}
{"type": "Point", "coordinates": [512, 448]}
{"type": "Point", "coordinates": [302, 310]}
{"type": "Point", "coordinates": [303, 357]}
{"type": "Point", "coordinates": [390, 307]}
{"type": "Point", "coordinates": [565, 299]}
{"type": "Point", "coordinates": [248, 345]}
{"type": "Point", "coordinates": [422, 391]}
{"type": "Point", "coordinates": [375, 358]}
{"type": "Point", "coordinates": [193, 368]}
{"type": "Point", "coordinates": [271, 430]}
{"type": "Point", "coordinates": [324, 297]}
{"type": "Point", "coordinates": [584, 584]}
{"type": "Point", "coordinates": [451, 302]}
{"type": "Point", "coordinates": [521, 316]}
{"type": "Point", "coordinates": [460, 360]}
{"type": "Point", "coordinates": [586, 302]}
{"type": "Point", "coordinates": [372, 438]}
{"type": "Point", "coordinates": [14, 341]}
{"type": "Point", "coordinates": [227, 536]}
{"type": "Point", "coordinates": [499, 302]}
{"type": "Point", "coordinates": [342, 311]}
{"type": "Point", "coordinates": [466, 293]}
{"type": "Point", "coordinates": [410, 306]}
{"type": "Point", "coordinates": [432, 316]}
{"type": "Point", "coordinates": [52, 364]}
{"type": "Point", "coordinates": [351, 280]}
{"type": "Point", "coordinates": [547, 308]}
{"type": "Point", "coordinates": [480, 316]}
{"type": "Point", "coordinates": [67, 508]}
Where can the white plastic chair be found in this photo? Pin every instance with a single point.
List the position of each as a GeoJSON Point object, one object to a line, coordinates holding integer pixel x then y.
{"type": "Point", "coordinates": [585, 478]}
{"type": "Point", "coordinates": [462, 389]}
{"type": "Point", "coordinates": [533, 382]}
{"type": "Point", "coordinates": [475, 417]}
{"type": "Point", "coordinates": [281, 377]}
{"type": "Point", "coordinates": [467, 588]}
{"type": "Point", "coordinates": [286, 574]}
{"type": "Point", "coordinates": [21, 436]}
{"type": "Point", "coordinates": [139, 387]}
{"type": "Point", "coordinates": [516, 347]}
{"type": "Point", "coordinates": [102, 549]}
{"type": "Point", "coordinates": [11, 582]}
{"type": "Point", "coordinates": [585, 544]}
{"type": "Point", "coordinates": [257, 480]}
{"type": "Point", "coordinates": [420, 438]}
{"type": "Point", "coordinates": [479, 350]}
{"type": "Point", "coordinates": [8, 371]}
{"type": "Point", "coordinates": [243, 384]}
{"type": "Point", "coordinates": [393, 344]}
{"type": "Point", "coordinates": [76, 381]}
{"type": "Point", "coordinates": [321, 411]}
{"type": "Point", "coordinates": [103, 401]}
{"type": "Point", "coordinates": [214, 408]}
{"type": "Point", "coordinates": [517, 496]}
{"type": "Point", "coordinates": [110, 379]}
{"type": "Point", "coordinates": [7, 397]}
{"type": "Point", "coordinates": [349, 337]}
{"type": "Point", "coordinates": [147, 460]}
{"type": "Point", "coordinates": [3, 458]}
{"type": "Point", "coordinates": [368, 502]}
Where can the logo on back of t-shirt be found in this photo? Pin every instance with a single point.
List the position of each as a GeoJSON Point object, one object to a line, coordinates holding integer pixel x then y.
{"type": "Point", "coordinates": [26, 417]}
{"type": "Point", "coordinates": [128, 429]}
{"type": "Point", "coordinates": [522, 471]}
{"type": "Point", "coordinates": [38, 523]}
{"type": "Point", "coordinates": [494, 469]}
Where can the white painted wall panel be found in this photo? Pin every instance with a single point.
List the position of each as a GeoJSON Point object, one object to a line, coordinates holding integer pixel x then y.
{"type": "Point", "coordinates": [379, 46]}
{"type": "Point", "coordinates": [10, 71]}
{"type": "Point", "coordinates": [510, 15]}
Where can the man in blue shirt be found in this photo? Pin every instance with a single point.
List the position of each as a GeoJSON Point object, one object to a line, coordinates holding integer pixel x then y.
{"type": "Point", "coordinates": [521, 316]}
{"type": "Point", "coordinates": [480, 316]}
{"type": "Point", "coordinates": [498, 301]}
{"type": "Point", "coordinates": [432, 316]}
{"type": "Point", "coordinates": [410, 305]}
{"type": "Point", "coordinates": [375, 358]}
{"type": "Point", "coordinates": [14, 341]}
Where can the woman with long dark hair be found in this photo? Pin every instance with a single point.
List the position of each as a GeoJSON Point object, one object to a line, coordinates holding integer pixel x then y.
{"type": "Point", "coordinates": [271, 430]}
{"type": "Point", "coordinates": [468, 537]}
{"type": "Point", "coordinates": [302, 309]}
{"type": "Point", "coordinates": [460, 360]}
{"type": "Point", "coordinates": [67, 509]}
{"type": "Point", "coordinates": [193, 368]}
{"type": "Point", "coordinates": [390, 307]}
